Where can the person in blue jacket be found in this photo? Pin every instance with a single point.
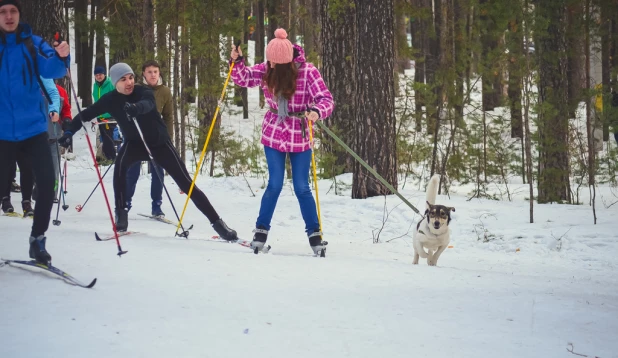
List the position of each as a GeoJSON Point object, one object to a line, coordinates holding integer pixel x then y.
{"type": "Point", "coordinates": [23, 58]}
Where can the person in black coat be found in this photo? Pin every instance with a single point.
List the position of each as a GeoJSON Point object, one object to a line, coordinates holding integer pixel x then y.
{"type": "Point", "coordinates": [128, 103]}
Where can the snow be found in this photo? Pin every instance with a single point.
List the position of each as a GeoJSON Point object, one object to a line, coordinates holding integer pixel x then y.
{"type": "Point", "coordinates": [532, 290]}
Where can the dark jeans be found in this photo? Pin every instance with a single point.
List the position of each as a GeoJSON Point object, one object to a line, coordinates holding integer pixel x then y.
{"type": "Point", "coordinates": [156, 187]}
{"type": "Point", "coordinates": [107, 138]}
{"type": "Point", "coordinates": [301, 162]}
{"type": "Point", "coordinates": [166, 157]}
{"type": "Point", "coordinates": [36, 149]}
{"type": "Point", "coordinates": [26, 176]}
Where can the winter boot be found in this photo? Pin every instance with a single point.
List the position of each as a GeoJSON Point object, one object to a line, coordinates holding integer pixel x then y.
{"type": "Point", "coordinates": [38, 251]}
{"type": "Point", "coordinates": [15, 188]}
{"type": "Point", "coordinates": [26, 205]}
{"type": "Point", "coordinates": [317, 245]}
{"type": "Point", "coordinates": [7, 207]}
{"type": "Point", "coordinates": [122, 219]}
{"type": "Point", "coordinates": [156, 209]}
{"type": "Point", "coordinates": [224, 231]}
{"type": "Point", "coordinates": [259, 238]}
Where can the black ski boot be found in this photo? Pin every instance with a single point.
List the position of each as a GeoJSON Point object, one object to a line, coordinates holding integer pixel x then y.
{"type": "Point", "coordinates": [7, 207]}
{"type": "Point", "coordinates": [38, 251]}
{"type": "Point", "coordinates": [317, 245]}
{"type": "Point", "coordinates": [26, 205]}
{"type": "Point", "coordinates": [122, 219]}
{"type": "Point", "coordinates": [260, 234]}
{"type": "Point", "coordinates": [224, 231]}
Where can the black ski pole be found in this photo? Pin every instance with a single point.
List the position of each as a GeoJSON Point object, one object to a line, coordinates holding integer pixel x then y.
{"type": "Point", "coordinates": [185, 233]}
{"type": "Point", "coordinates": [57, 222]}
{"type": "Point", "coordinates": [80, 207]}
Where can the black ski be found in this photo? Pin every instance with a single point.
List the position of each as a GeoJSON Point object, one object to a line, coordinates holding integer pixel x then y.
{"type": "Point", "coordinates": [54, 270]}
{"type": "Point", "coordinates": [112, 237]}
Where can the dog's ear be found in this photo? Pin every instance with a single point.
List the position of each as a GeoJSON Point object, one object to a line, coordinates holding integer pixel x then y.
{"type": "Point", "coordinates": [451, 208]}
{"type": "Point", "coordinates": [429, 206]}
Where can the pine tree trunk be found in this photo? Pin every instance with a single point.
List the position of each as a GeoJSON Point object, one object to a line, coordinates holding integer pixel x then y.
{"type": "Point", "coordinates": [515, 42]}
{"type": "Point", "coordinates": [162, 10]}
{"type": "Point", "coordinates": [419, 40]}
{"type": "Point", "coordinates": [375, 116]}
{"type": "Point", "coordinates": [46, 18]}
{"type": "Point", "coordinates": [605, 61]}
{"type": "Point", "coordinates": [174, 40]}
{"type": "Point", "coordinates": [260, 32]}
{"type": "Point", "coordinates": [553, 183]}
{"type": "Point", "coordinates": [148, 39]}
{"type": "Point", "coordinates": [99, 28]}
{"type": "Point", "coordinates": [339, 55]}
{"type": "Point", "coordinates": [84, 53]}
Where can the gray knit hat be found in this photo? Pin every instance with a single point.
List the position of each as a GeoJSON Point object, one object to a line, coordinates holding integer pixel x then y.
{"type": "Point", "coordinates": [118, 70]}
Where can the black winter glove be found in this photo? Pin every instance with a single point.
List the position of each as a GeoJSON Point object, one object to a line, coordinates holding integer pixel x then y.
{"type": "Point", "coordinates": [131, 109]}
{"type": "Point", "coordinates": [66, 139]}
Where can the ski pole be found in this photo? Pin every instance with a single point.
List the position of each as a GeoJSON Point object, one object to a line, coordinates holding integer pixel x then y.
{"type": "Point", "coordinates": [57, 222]}
{"type": "Point", "coordinates": [199, 163]}
{"type": "Point", "coordinates": [94, 159]}
{"type": "Point", "coordinates": [315, 176]}
{"type": "Point", "coordinates": [185, 233]}
{"type": "Point", "coordinates": [66, 176]}
{"type": "Point", "coordinates": [80, 207]}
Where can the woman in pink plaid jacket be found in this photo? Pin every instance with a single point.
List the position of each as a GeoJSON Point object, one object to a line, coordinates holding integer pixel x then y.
{"type": "Point", "coordinates": [295, 93]}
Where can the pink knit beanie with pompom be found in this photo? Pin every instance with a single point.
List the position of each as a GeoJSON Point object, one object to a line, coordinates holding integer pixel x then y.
{"type": "Point", "coordinates": [279, 49]}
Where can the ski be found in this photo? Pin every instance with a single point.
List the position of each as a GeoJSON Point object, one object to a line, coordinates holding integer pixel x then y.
{"type": "Point", "coordinates": [112, 236]}
{"type": "Point", "coordinates": [52, 269]}
{"type": "Point", "coordinates": [18, 215]}
{"type": "Point", "coordinates": [163, 220]}
{"type": "Point", "coordinates": [244, 243]}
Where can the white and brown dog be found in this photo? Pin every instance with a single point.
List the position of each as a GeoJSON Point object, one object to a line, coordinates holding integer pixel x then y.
{"type": "Point", "coordinates": [432, 232]}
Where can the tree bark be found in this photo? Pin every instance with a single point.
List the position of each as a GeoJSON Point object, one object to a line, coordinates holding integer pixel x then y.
{"type": "Point", "coordinates": [515, 45]}
{"type": "Point", "coordinates": [553, 183]}
{"type": "Point", "coordinates": [338, 38]}
{"type": "Point", "coordinates": [375, 118]}
{"type": "Point", "coordinates": [419, 39]}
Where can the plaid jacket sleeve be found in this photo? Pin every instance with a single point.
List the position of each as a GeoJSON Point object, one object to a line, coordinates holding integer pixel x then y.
{"type": "Point", "coordinates": [320, 95]}
{"type": "Point", "coordinates": [248, 76]}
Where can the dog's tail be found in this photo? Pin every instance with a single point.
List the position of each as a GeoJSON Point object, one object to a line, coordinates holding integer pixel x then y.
{"type": "Point", "coordinates": [432, 189]}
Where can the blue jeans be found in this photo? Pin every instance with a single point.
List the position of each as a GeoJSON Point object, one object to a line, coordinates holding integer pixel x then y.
{"type": "Point", "coordinates": [301, 163]}
{"type": "Point", "coordinates": [156, 187]}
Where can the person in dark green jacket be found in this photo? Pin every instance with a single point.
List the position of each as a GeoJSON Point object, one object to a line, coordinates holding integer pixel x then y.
{"type": "Point", "coordinates": [101, 86]}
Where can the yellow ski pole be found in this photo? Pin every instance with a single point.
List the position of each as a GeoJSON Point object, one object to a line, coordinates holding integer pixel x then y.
{"type": "Point", "coordinates": [199, 163]}
{"type": "Point", "coordinates": [315, 176]}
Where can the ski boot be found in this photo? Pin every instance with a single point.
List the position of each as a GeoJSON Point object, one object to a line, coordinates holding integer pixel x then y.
{"type": "Point", "coordinates": [7, 207]}
{"type": "Point", "coordinates": [317, 245]}
{"type": "Point", "coordinates": [26, 205]}
{"type": "Point", "coordinates": [156, 209]}
{"type": "Point", "coordinates": [259, 239]}
{"type": "Point", "coordinates": [15, 188]}
{"type": "Point", "coordinates": [224, 231]}
{"type": "Point", "coordinates": [38, 251]}
{"type": "Point", "coordinates": [122, 219]}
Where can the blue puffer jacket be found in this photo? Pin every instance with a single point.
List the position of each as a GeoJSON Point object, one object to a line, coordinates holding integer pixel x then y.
{"type": "Point", "coordinates": [23, 109]}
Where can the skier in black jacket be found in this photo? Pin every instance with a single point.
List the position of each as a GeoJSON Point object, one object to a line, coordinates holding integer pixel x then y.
{"type": "Point", "coordinates": [130, 102]}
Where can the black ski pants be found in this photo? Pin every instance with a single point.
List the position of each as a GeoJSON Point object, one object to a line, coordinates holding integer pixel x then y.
{"type": "Point", "coordinates": [36, 149]}
{"type": "Point", "coordinates": [26, 176]}
{"type": "Point", "coordinates": [166, 157]}
{"type": "Point", "coordinates": [107, 139]}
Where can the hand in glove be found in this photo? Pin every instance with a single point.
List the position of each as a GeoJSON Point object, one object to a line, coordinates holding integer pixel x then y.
{"type": "Point", "coordinates": [131, 109]}
{"type": "Point", "coordinates": [66, 139]}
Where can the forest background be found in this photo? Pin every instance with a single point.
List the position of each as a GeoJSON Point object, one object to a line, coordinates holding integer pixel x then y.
{"type": "Point", "coordinates": [484, 92]}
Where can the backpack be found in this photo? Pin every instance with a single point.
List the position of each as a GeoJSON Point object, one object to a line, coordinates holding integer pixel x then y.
{"type": "Point", "coordinates": [33, 54]}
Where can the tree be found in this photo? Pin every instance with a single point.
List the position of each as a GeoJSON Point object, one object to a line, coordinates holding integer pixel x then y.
{"type": "Point", "coordinates": [339, 55]}
{"type": "Point", "coordinates": [553, 184]}
{"type": "Point", "coordinates": [374, 124]}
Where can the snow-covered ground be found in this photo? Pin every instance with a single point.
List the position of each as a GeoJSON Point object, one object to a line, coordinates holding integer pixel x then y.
{"type": "Point", "coordinates": [530, 290]}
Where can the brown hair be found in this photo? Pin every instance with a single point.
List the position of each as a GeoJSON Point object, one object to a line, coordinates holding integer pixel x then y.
{"type": "Point", "coordinates": [150, 63]}
{"type": "Point", "coordinates": [281, 79]}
